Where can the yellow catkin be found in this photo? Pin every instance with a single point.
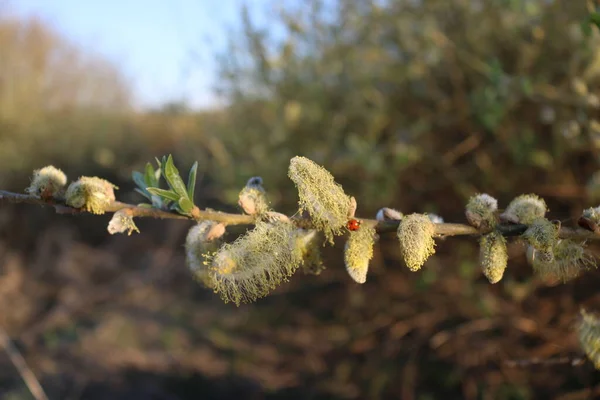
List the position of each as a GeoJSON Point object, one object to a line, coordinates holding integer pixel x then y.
{"type": "Point", "coordinates": [310, 243]}
{"type": "Point", "coordinates": [588, 333]}
{"type": "Point", "coordinates": [358, 252]}
{"type": "Point", "coordinates": [92, 194]}
{"type": "Point", "coordinates": [48, 182]}
{"type": "Point", "coordinates": [415, 234]}
{"type": "Point", "coordinates": [256, 263]}
{"type": "Point", "coordinates": [323, 198]}
{"type": "Point", "coordinates": [493, 256]}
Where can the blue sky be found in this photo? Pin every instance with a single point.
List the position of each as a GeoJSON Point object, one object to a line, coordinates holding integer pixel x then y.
{"type": "Point", "coordinates": [167, 47]}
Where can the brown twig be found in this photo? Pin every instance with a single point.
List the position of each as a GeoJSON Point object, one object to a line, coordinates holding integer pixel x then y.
{"type": "Point", "coordinates": [443, 229]}
{"type": "Point", "coordinates": [19, 362]}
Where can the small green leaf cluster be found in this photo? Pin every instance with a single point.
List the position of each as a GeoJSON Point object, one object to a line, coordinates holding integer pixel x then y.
{"type": "Point", "coordinates": [178, 197]}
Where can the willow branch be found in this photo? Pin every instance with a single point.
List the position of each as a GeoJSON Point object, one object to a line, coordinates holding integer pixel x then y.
{"type": "Point", "coordinates": [443, 229]}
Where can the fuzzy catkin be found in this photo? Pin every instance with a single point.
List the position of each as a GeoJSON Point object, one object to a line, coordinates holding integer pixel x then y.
{"type": "Point", "coordinates": [358, 252]}
{"type": "Point", "coordinates": [480, 211]}
{"type": "Point", "coordinates": [566, 261]}
{"type": "Point", "coordinates": [256, 263]}
{"type": "Point", "coordinates": [415, 234]}
{"type": "Point", "coordinates": [323, 198]}
{"type": "Point", "coordinates": [310, 243]}
{"type": "Point", "coordinates": [48, 182]}
{"type": "Point", "coordinates": [202, 240]}
{"type": "Point", "coordinates": [542, 234]}
{"type": "Point", "coordinates": [525, 209]}
{"type": "Point", "coordinates": [493, 256]}
{"type": "Point", "coordinates": [92, 194]}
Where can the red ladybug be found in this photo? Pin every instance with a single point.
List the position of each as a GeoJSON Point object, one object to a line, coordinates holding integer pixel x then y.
{"type": "Point", "coordinates": [353, 225]}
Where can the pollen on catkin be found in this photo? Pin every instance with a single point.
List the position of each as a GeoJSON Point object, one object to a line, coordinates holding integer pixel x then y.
{"type": "Point", "coordinates": [92, 194]}
{"type": "Point", "coordinates": [323, 198]}
{"type": "Point", "coordinates": [256, 262]}
{"type": "Point", "coordinates": [542, 234]}
{"type": "Point", "coordinates": [358, 252]}
{"type": "Point", "coordinates": [310, 242]}
{"type": "Point", "coordinates": [252, 198]}
{"type": "Point", "coordinates": [493, 256]}
{"type": "Point", "coordinates": [481, 211]}
{"type": "Point", "coordinates": [415, 234]}
{"type": "Point", "coordinates": [525, 209]}
{"type": "Point", "coordinates": [566, 261]}
{"type": "Point", "coordinates": [202, 240]}
{"type": "Point", "coordinates": [48, 182]}
{"type": "Point", "coordinates": [588, 332]}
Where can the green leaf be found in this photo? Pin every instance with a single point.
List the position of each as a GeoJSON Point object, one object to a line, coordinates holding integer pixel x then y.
{"type": "Point", "coordinates": [149, 176]}
{"type": "Point", "coordinates": [144, 193]}
{"type": "Point", "coordinates": [173, 178]}
{"type": "Point", "coordinates": [186, 205]}
{"type": "Point", "coordinates": [166, 194]}
{"type": "Point", "coordinates": [191, 186]}
{"type": "Point", "coordinates": [138, 178]}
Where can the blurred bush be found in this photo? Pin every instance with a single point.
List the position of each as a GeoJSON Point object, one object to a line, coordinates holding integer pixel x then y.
{"type": "Point", "coordinates": [407, 101]}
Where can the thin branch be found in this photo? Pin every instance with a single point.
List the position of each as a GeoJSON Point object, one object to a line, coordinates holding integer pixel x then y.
{"type": "Point", "coordinates": [19, 362]}
{"type": "Point", "coordinates": [444, 229]}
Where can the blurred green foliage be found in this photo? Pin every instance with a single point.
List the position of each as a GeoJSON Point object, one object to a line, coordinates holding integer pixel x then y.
{"type": "Point", "coordinates": [404, 100]}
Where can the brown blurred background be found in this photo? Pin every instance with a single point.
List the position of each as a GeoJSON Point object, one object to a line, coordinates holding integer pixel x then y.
{"type": "Point", "coordinates": [414, 105]}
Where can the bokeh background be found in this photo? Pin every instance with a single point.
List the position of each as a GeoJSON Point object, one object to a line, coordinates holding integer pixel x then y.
{"type": "Point", "coordinates": [415, 105]}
